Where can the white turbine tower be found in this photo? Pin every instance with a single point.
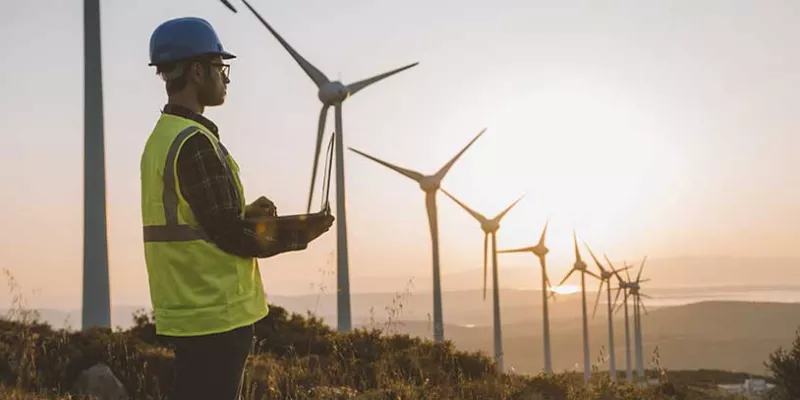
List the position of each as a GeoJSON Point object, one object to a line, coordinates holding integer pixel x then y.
{"type": "Point", "coordinates": [581, 267]}
{"type": "Point", "coordinates": [540, 251]}
{"type": "Point", "coordinates": [96, 302]}
{"type": "Point", "coordinates": [635, 291]}
{"type": "Point", "coordinates": [430, 185]}
{"type": "Point", "coordinates": [624, 287]}
{"type": "Point", "coordinates": [332, 94]}
{"type": "Point", "coordinates": [605, 278]}
{"type": "Point", "coordinates": [490, 228]}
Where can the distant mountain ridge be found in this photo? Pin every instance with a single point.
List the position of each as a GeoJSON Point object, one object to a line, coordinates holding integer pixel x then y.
{"type": "Point", "coordinates": [523, 273]}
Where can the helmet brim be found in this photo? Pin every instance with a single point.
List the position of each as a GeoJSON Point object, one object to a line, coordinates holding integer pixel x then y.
{"type": "Point", "coordinates": [224, 54]}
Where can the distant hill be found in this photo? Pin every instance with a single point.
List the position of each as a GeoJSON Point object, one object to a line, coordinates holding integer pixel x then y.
{"type": "Point", "coordinates": [735, 336]}
{"type": "Point", "coordinates": [521, 272]}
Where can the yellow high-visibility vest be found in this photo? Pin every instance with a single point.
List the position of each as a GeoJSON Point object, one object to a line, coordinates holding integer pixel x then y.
{"type": "Point", "coordinates": [195, 287]}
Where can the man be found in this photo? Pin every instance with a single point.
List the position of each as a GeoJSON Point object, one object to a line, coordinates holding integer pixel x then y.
{"type": "Point", "coordinates": [201, 244]}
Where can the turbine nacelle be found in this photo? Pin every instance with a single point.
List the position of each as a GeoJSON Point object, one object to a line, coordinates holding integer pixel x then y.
{"type": "Point", "coordinates": [334, 92]}
{"type": "Point", "coordinates": [580, 265]}
{"type": "Point", "coordinates": [490, 226]}
{"type": "Point", "coordinates": [430, 183]}
{"type": "Point", "coordinates": [540, 250]}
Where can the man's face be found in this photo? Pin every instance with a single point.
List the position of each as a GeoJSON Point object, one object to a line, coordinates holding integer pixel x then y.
{"type": "Point", "coordinates": [212, 83]}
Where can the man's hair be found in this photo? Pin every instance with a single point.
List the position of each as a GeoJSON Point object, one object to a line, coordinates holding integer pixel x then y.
{"type": "Point", "coordinates": [174, 73]}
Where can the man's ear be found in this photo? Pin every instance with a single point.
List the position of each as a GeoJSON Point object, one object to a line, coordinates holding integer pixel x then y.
{"type": "Point", "coordinates": [196, 73]}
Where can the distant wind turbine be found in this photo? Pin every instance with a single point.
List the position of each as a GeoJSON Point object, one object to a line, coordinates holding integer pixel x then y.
{"type": "Point", "coordinates": [624, 287]}
{"type": "Point", "coordinates": [540, 251]}
{"type": "Point", "coordinates": [635, 291]}
{"type": "Point", "coordinates": [490, 228]}
{"type": "Point", "coordinates": [332, 94]}
{"type": "Point", "coordinates": [632, 288]}
{"type": "Point", "coordinates": [430, 185]}
{"type": "Point", "coordinates": [605, 278]}
{"type": "Point", "coordinates": [581, 267]}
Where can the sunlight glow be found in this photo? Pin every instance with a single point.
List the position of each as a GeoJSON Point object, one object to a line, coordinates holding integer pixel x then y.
{"type": "Point", "coordinates": [566, 289]}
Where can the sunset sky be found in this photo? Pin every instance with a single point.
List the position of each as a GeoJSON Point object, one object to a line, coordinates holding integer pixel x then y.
{"type": "Point", "coordinates": [652, 128]}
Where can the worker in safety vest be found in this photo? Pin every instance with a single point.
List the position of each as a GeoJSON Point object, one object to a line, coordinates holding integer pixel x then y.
{"type": "Point", "coordinates": [201, 244]}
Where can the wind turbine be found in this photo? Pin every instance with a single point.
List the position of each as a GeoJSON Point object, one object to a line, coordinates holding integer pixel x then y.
{"type": "Point", "coordinates": [490, 228]}
{"type": "Point", "coordinates": [635, 291]}
{"type": "Point", "coordinates": [582, 268]}
{"type": "Point", "coordinates": [633, 288]}
{"type": "Point", "coordinates": [605, 277]}
{"type": "Point", "coordinates": [332, 94]}
{"type": "Point", "coordinates": [430, 185]}
{"type": "Point", "coordinates": [229, 5]}
{"type": "Point", "coordinates": [540, 251]}
{"type": "Point", "coordinates": [96, 303]}
{"type": "Point", "coordinates": [624, 287]}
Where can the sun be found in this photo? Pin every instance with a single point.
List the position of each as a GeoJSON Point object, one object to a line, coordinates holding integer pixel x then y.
{"type": "Point", "coordinates": [566, 289]}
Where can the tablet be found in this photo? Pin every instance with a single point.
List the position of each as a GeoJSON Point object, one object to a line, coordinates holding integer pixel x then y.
{"type": "Point", "coordinates": [292, 222]}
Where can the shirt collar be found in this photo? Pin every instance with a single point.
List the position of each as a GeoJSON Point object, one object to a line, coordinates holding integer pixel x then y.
{"type": "Point", "coordinates": [184, 112]}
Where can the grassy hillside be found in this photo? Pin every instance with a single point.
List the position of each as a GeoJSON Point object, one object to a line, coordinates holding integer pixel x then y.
{"type": "Point", "coordinates": [735, 336]}
{"type": "Point", "coordinates": [298, 357]}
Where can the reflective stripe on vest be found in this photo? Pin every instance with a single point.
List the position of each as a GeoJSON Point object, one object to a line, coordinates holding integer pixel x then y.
{"type": "Point", "coordinates": [172, 231]}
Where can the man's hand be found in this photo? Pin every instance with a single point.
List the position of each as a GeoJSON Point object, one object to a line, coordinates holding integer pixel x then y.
{"type": "Point", "coordinates": [262, 207]}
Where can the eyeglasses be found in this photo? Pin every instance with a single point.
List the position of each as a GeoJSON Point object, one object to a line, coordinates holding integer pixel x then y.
{"type": "Point", "coordinates": [224, 70]}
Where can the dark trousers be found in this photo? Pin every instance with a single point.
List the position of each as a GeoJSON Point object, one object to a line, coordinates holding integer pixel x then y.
{"type": "Point", "coordinates": [211, 367]}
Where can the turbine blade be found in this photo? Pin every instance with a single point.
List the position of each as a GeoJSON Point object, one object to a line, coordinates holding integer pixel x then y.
{"type": "Point", "coordinates": [519, 250]}
{"type": "Point", "coordinates": [619, 290]}
{"type": "Point", "coordinates": [645, 296]}
{"type": "Point", "coordinates": [624, 303]}
{"type": "Point", "coordinates": [596, 261]}
{"type": "Point", "coordinates": [567, 277]}
{"type": "Point", "coordinates": [616, 272]}
{"type": "Point", "coordinates": [446, 168]}
{"type": "Point", "coordinates": [544, 233]}
{"type": "Point", "coordinates": [608, 261]}
{"type": "Point", "coordinates": [641, 304]}
{"type": "Point", "coordinates": [229, 5]}
{"type": "Point", "coordinates": [416, 176]}
{"type": "Point", "coordinates": [590, 273]}
{"type": "Point", "coordinates": [355, 87]}
{"type": "Point", "coordinates": [316, 75]}
{"type": "Point", "coordinates": [474, 214]}
{"type": "Point", "coordinates": [619, 307]}
{"type": "Point", "coordinates": [597, 300]}
{"type": "Point", "coordinates": [320, 131]}
{"type": "Point", "coordinates": [641, 269]}
{"type": "Point", "coordinates": [627, 274]}
{"type": "Point", "coordinates": [577, 251]}
{"type": "Point", "coordinates": [485, 261]}
{"type": "Point", "coordinates": [503, 214]}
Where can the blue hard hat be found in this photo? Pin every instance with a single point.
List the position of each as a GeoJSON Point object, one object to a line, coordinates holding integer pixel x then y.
{"type": "Point", "coordinates": [183, 38]}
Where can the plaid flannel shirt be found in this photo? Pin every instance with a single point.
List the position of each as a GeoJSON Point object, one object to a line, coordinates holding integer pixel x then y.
{"type": "Point", "coordinates": [210, 190]}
